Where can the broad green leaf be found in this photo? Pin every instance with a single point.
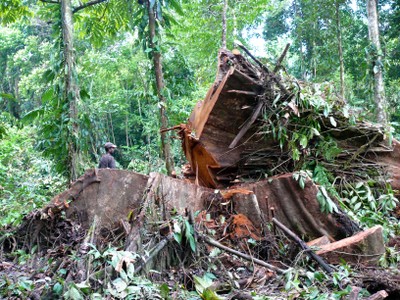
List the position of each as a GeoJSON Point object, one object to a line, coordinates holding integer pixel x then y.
{"type": "Point", "coordinates": [58, 288]}
{"type": "Point", "coordinates": [48, 95]}
{"type": "Point", "coordinates": [315, 132]}
{"type": "Point", "coordinates": [357, 206]}
{"type": "Point", "coordinates": [32, 115]}
{"type": "Point", "coordinates": [164, 291]}
{"type": "Point", "coordinates": [333, 121]}
{"type": "Point", "coordinates": [84, 94]}
{"type": "Point", "coordinates": [84, 287]}
{"type": "Point", "coordinates": [302, 182]}
{"type": "Point", "coordinates": [119, 284]}
{"type": "Point", "coordinates": [73, 293]}
{"type": "Point", "coordinates": [295, 154]}
{"type": "Point", "coordinates": [303, 141]}
{"type": "Point", "coordinates": [178, 237]}
{"type": "Point", "coordinates": [209, 294]}
{"type": "Point", "coordinates": [359, 184]}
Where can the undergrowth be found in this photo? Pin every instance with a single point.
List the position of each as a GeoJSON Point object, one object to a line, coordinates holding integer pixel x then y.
{"type": "Point", "coordinates": [27, 180]}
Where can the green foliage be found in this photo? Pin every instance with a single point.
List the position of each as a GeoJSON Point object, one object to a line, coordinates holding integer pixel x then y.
{"type": "Point", "coordinates": [183, 230]}
{"type": "Point", "coordinates": [301, 177]}
{"type": "Point", "coordinates": [372, 205]}
{"type": "Point", "coordinates": [315, 285]}
{"type": "Point", "coordinates": [203, 284]}
{"type": "Point", "coordinates": [127, 285]}
{"type": "Point", "coordinates": [12, 10]}
{"type": "Point", "coordinates": [119, 103]}
{"type": "Point", "coordinates": [297, 124]}
{"type": "Point", "coordinates": [325, 202]}
{"type": "Point", "coordinates": [27, 180]}
{"type": "Point", "coordinates": [19, 289]}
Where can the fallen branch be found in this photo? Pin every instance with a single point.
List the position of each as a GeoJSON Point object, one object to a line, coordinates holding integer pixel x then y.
{"type": "Point", "coordinates": [144, 261]}
{"type": "Point", "coordinates": [303, 245]}
{"type": "Point", "coordinates": [262, 66]}
{"type": "Point", "coordinates": [161, 245]}
{"type": "Point", "coordinates": [378, 295]}
{"type": "Point", "coordinates": [214, 243]}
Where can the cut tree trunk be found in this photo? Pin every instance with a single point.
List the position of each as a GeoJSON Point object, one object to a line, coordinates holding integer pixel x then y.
{"type": "Point", "coordinates": [364, 248]}
{"type": "Point", "coordinates": [281, 197]}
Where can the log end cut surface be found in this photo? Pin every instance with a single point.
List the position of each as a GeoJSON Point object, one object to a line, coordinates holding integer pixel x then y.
{"type": "Point", "coordinates": [117, 193]}
{"type": "Point", "coordinates": [365, 247]}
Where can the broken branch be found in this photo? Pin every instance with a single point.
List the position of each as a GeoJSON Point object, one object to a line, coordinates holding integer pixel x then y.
{"type": "Point", "coordinates": [280, 59]}
{"type": "Point", "coordinates": [254, 58]}
{"type": "Point", "coordinates": [214, 243]}
{"type": "Point", "coordinates": [303, 245]}
{"type": "Point", "coordinates": [90, 3]}
{"type": "Point", "coordinates": [161, 245]}
{"type": "Point", "coordinates": [378, 295]}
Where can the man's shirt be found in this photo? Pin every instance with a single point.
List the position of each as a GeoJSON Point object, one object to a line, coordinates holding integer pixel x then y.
{"type": "Point", "coordinates": [107, 161]}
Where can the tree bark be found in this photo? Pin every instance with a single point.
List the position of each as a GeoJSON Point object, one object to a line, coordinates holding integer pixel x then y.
{"type": "Point", "coordinates": [224, 9]}
{"type": "Point", "coordinates": [340, 48]}
{"type": "Point", "coordinates": [165, 144]}
{"type": "Point", "coordinates": [379, 90]}
{"type": "Point", "coordinates": [71, 92]}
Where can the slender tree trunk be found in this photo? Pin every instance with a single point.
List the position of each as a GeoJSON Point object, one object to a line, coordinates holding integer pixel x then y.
{"type": "Point", "coordinates": [340, 49]}
{"type": "Point", "coordinates": [302, 60]}
{"type": "Point", "coordinates": [224, 9]}
{"type": "Point", "coordinates": [235, 25]}
{"type": "Point", "coordinates": [165, 144]}
{"type": "Point", "coordinates": [112, 128]}
{"type": "Point", "coordinates": [379, 90]}
{"type": "Point", "coordinates": [71, 93]}
{"type": "Point", "coordinates": [127, 130]}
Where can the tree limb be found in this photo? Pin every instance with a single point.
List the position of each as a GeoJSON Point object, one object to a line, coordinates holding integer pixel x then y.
{"type": "Point", "coordinates": [214, 243]}
{"type": "Point", "coordinates": [161, 245]}
{"type": "Point", "coordinates": [50, 1]}
{"type": "Point", "coordinates": [280, 59]}
{"type": "Point", "coordinates": [303, 245]}
{"type": "Point", "coordinates": [262, 66]}
{"type": "Point", "coordinates": [90, 3]}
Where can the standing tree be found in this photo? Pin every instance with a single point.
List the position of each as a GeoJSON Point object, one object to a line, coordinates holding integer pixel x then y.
{"type": "Point", "coordinates": [224, 10]}
{"type": "Point", "coordinates": [377, 66]}
{"type": "Point", "coordinates": [70, 81]}
{"type": "Point", "coordinates": [71, 89]}
{"type": "Point", "coordinates": [340, 47]}
{"type": "Point", "coordinates": [154, 15]}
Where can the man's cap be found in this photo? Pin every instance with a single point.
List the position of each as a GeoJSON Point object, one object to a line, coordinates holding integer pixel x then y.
{"type": "Point", "coordinates": [109, 145]}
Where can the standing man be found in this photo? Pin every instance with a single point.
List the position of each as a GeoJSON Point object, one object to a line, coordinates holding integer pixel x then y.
{"type": "Point", "coordinates": [107, 160]}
